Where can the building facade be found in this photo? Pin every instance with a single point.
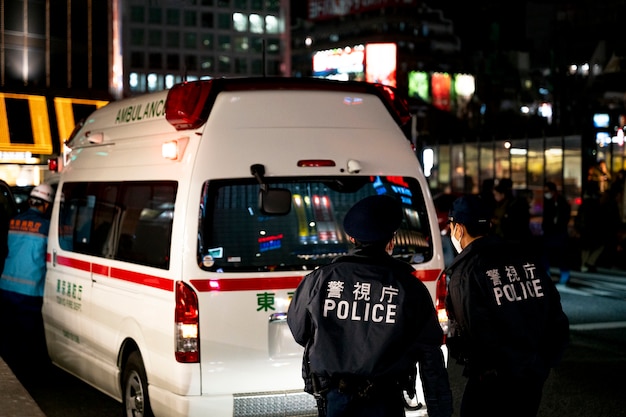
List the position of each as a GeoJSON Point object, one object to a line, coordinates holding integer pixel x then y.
{"type": "Point", "coordinates": [168, 41]}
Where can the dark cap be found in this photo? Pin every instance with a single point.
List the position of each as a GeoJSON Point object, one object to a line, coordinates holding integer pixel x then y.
{"type": "Point", "coordinates": [373, 219]}
{"type": "Point", "coordinates": [469, 209]}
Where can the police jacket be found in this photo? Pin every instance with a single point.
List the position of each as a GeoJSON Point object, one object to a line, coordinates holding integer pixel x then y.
{"type": "Point", "coordinates": [504, 310]}
{"type": "Point", "coordinates": [25, 266]}
{"type": "Point", "coordinates": [366, 315]}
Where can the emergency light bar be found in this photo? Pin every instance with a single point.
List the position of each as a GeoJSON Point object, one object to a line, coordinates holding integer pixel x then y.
{"type": "Point", "coordinates": [188, 104]}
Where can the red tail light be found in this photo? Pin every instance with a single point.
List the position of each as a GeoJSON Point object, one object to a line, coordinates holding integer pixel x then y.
{"type": "Point", "coordinates": [187, 324]}
{"type": "Point", "coordinates": [440, 304]}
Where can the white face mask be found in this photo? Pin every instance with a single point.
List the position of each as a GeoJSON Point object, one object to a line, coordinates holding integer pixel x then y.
{"type": "Point", "coordinates": [548, 196]}
{"type": "Point", "coordinates": [455, 242]}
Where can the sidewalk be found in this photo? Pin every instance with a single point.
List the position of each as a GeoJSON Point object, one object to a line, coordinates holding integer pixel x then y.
{"type": "Point", "coordinates": [15, 401]}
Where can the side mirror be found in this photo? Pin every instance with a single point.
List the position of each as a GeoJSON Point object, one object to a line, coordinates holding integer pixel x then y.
{"type": "Point", "coordinates": [276, 201]}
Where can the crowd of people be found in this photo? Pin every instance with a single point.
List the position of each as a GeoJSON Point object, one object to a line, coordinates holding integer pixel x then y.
{"type": "Point", "coordinates": [590, 237]}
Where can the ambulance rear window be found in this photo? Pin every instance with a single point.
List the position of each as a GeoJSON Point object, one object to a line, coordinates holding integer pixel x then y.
{"type": "Point", "coordinates": [235, 236]}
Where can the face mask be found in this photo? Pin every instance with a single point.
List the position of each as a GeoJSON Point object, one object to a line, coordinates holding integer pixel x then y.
{"type": "Point", "coordinates": [548, 196]}
{"type": "Point", "coordinates": [455, 242]}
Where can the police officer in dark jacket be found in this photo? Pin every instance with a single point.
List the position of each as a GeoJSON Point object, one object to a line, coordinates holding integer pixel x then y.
{"type": "Point", "coordinates": [507, 324]}
{"type": "Point", "coordinates": [365, 321]}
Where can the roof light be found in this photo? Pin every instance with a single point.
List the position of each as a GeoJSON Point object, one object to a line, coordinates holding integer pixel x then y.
{"type": "Point", "coordinates": [315, 163]}
{"type": "Point", "coordinates": [185, 104]}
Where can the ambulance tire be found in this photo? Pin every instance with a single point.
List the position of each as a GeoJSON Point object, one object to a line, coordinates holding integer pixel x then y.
{"type": "Point", "coordinates": [135, 388]}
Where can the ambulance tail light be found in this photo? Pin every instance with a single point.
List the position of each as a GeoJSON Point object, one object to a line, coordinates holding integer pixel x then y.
{"type": "Point", "coordinates": [53, 165]}
{"type": "Point", "coordinates": [185, 104]}
{"type": "Point", "coordinates": [440, 304]}
{"type": "Point", "coordinates": [187, 324]}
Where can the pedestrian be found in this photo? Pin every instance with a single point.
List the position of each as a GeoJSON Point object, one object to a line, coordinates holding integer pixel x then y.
{"type": "Point", "coordinates": [511, 214]}
{"type": "Point", "coordinates": [365, 321]}
{"type": "Point", "coordinates": [22, 282]}
{"type": "Point", "coordinates": [554, 225]}
{"type": "Point", "coordinates": [507, 326]}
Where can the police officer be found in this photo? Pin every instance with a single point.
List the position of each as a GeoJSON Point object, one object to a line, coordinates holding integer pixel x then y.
{"type": "Point", "coordinates": [22, 282]}
{"type": "Point", "coordinates": [365, 321]}
{"type": "Point", "coordinates": [507, 324]}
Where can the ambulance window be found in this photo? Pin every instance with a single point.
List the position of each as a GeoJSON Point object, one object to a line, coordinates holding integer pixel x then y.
{"type": "Point", "coordinates": [128, 221]}
{"type": "Point", "coordinates": [235, 236]}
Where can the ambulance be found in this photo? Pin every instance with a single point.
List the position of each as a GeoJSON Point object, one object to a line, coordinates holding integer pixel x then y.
{"type": "Point", "coordinates": [185, 219]}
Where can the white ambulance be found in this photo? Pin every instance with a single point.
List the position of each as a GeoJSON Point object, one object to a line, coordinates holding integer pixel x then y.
{"type": "Point", "coordinates": [185, 219]}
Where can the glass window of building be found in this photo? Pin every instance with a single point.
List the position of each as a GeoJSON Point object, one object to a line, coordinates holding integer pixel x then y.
{"type": "Point", "coordinates": [273, 46]}
{"type": "Point", "coordinates": [190, 18]}
{"type": "Point", "coordinates": [572, 173]}
{"type": "Point", "coordinates": [241, 4]}
{"type": "Point", "coordinates": [173, 17]}
{"type": "Point", "coordinates": [172, 39]}
{"type": "Point", "coordinates": [191, 63]}
{"type": "Point", "coordinates": [274, 67]}
{"type": "Point", "coordinates": [155, 15]}
{"type": "Point", "coordinates": [136, 82]}
{"type": "Point", "coordinates": [223, 3]}
{"type": "Point", "coordinates": [240, 22]}
{"type": "Point", "coordinates": [207, 41]}
{"type": "Point", "coordinates": [223, 21]}
{"type": "Point", "coordinates": [206, 20]}
{"type": "Point", "coordinates": [155, 60]}
{"type": "Point", "coordinates": [444, 168]}
{"type": "Point", "coordinates": [272, 24]}
{"type": "Point", "coordinates": [136, 59]}
{"type": "Point", "coordinates": [502, 159]}
{"type": "Point", "coordinates": [518, 156]}
{"type": "Point", "coordinates": [256, 67]}
{"type": "Point", "coordinates": [273, 5]}
{"type": "Point", "coordinates": [224, 42]}
{"type": "Point", "coordinates": [137, 14]}
{"type": "Point", "coordinates": [155, 38]}
{"type": "Point", "coordinates": [191, 40]}
{"type": "Point", "coordinates": [153, 82]}
{"type": "Point", "coordinates": [257, 45]}
{"type": "Point", "coordinates": [207, 2]}
{"type": "Point", "coordinates": [15, 9]}
{"type": "Point", "coordinates": [461, 182]}
{"type": "Point", "coordinates": [553, 155]}
{"type": "Point", "coordinates": [173, 62]}
{"type": "Point", "coordinates": [256, 5]}
{"type": "Point", "coordinates": [486, 162]}
{"type": "Point", "coordinates": [206, 64]}
{"type": "Point", "coordinates": [241, 66]}
{"type": "Point", "coordinates": [535, 168]}
{"type": "Point", "coordinates": [471, 168]}
{"type": "Point", "coordinates": [224, 64]}
{"type": "Point", "coordinates": [137, 37]}
{"type": "Point", "coordinates": [241, 43]}
{"type": "Point", "coordinates": [256, 23]}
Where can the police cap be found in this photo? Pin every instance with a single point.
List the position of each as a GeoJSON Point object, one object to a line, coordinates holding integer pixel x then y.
{"type": "Point", "coordinates": [469, 209]}
{"type": "Point", "coordinates": [373, 219]}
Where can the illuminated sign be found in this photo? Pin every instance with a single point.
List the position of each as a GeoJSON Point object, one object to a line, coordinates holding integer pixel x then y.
{"type": "Point", "coordinates": [380, 63]}
{"type": "Point", "coordinates": [601, 120]}
{"type": "Point", "coordinates": [24, 124]}
{"type": "Point", "coordinates": [341, 64]}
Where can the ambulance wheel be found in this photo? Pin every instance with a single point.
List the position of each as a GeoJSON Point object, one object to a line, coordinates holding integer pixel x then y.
{"type": "Point", "coordinates": [135, 388]}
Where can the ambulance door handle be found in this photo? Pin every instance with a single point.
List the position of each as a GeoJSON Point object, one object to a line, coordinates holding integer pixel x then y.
{"type": "Point", "coordinates": [278, 317]}
{"type": "Point", "coordinates": [54, 257]}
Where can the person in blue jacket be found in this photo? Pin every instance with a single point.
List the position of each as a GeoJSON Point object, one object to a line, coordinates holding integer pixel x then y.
{"type": "Point", "coordinates": [365, 321]}
{"type": "Point", "coordinates": [507, 325]}
{"type": "Point", "coordinates": [22, 281]}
